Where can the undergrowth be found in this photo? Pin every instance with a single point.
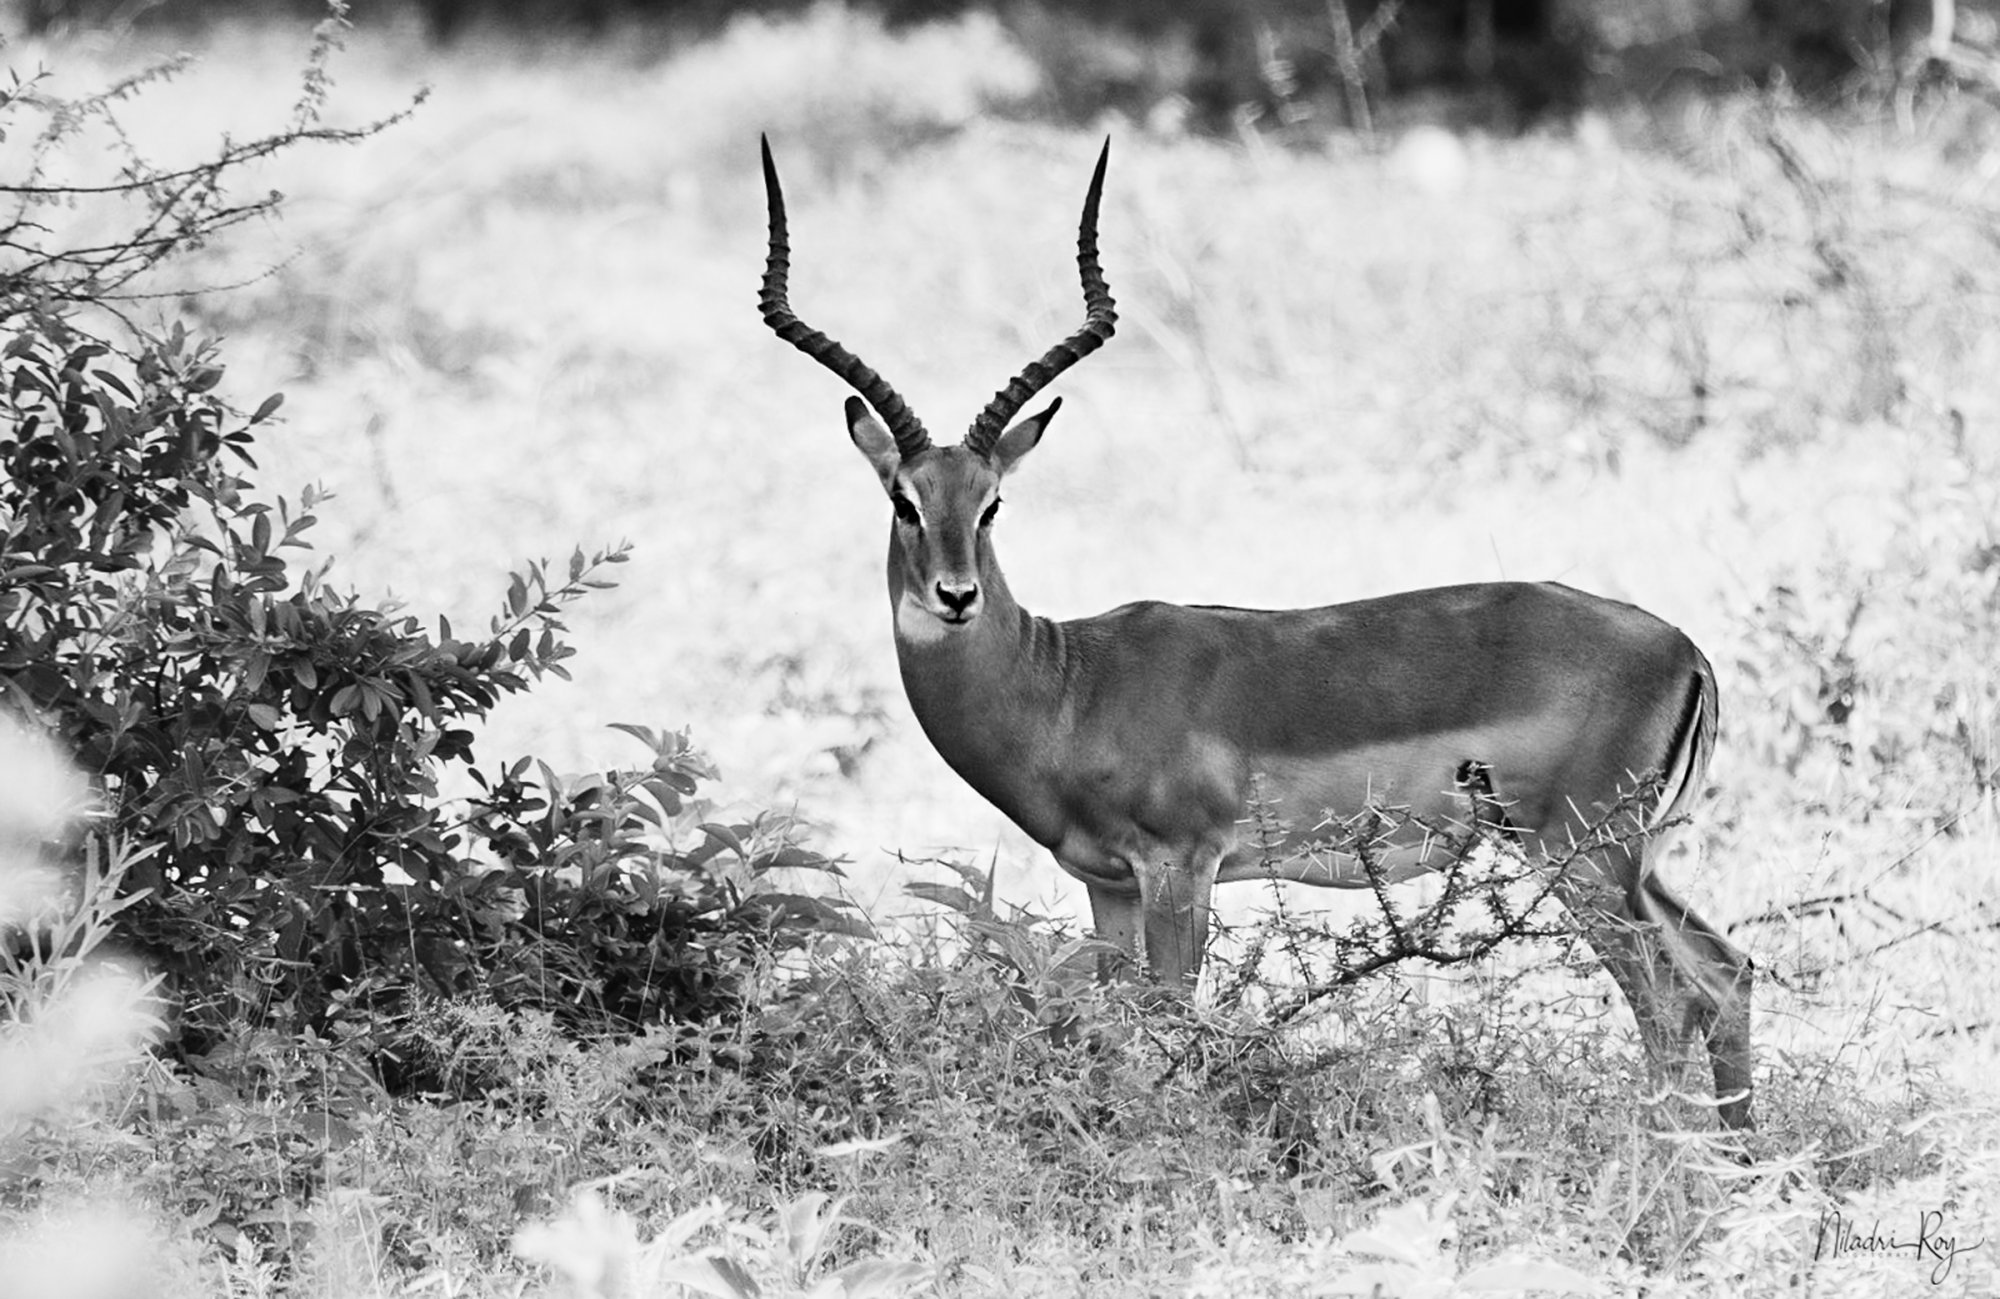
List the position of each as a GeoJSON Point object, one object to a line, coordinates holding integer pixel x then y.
{"type": "Point", "coordinates": [912, 1092]}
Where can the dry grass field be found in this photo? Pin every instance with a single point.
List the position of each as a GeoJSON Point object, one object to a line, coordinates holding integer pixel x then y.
{"type": "Point", "coordinates": [1731, 361]}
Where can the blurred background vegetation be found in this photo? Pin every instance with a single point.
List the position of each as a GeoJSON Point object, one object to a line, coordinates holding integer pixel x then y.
{"type": "Point", "coordinates": [1493, 62]}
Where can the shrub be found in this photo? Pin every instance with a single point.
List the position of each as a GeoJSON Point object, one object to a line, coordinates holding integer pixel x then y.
{"type": "Point", "coordinates": [275, 749]}
{"type": "Point", "coordinates": [278, 744]}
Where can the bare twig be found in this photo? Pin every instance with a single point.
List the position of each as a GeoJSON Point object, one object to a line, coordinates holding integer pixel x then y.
{"type": "Point", "coordinates": [177, 209]}
{"type": "Point", "coordinates": [1351, 51]}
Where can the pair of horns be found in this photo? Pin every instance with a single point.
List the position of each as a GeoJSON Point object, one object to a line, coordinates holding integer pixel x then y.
{"type": "Point", "coordinates": [1099, 320]}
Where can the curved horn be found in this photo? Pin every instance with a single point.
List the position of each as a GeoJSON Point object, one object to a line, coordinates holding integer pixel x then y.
{"type": "Point", "coordinates": [1098, 321]}
{"type": "Point", "coordinates": [903, 423]}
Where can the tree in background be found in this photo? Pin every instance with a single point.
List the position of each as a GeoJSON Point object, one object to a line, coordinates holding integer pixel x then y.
{"type": "Point", "coordinates": [1503, 60]}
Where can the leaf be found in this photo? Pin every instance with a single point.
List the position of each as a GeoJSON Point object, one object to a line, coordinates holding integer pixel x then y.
{"type": "Point", "coordinates": [664, 794]}
{"type": "Point", "coordinates": [685, 1226]}
{"type": "Point", "coordinates": [945, 895]}
{"type": "Point", "coordinates": [804, 1225]}
{"type": "Point", "coordinates": [793, 857]}
{"type": "Point", "coordinates": [107, 514]}
{"type": "Point", "coordinates": [859, 1146]}
{"type": "Point", "coordinates": [1413, 1232]}
{"type": "Point", "coordinates": [722, 1277]}
{"type": "Point", "coordinates": [726, 836]}
{"type": "Point", "coordinates": [1383, 1279]}
{"type": "Point", "coordinates": [643, 734]}
{"type": "Point", "coordinates": [1075, 950]}
{"type": "Point", "coordinates": [798, 910]}
{"type": "Point", "coordinates": [1529, 1274]}
{"type": "Point", "coordinates": [979, 881]}
{"type": "Point", "coordinates": [881, 1278]}
{"type": "Point", "coordinates": [737, 1275]}
{"type": "Point", "coordinates": [268, 408]}
{"type": "Point", "coordinates": [421, 696]}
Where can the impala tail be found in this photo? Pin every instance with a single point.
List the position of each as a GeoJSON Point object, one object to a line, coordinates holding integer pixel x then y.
{"type": "Point", "coordinates": [1686, 765]}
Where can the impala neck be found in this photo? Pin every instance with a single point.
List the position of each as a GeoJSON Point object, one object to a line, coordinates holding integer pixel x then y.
{"type": "Point", "coordinates": [986, 694]}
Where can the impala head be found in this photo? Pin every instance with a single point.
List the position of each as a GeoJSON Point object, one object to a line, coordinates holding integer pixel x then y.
{"type": "Point", "coordinates": [944, 499]}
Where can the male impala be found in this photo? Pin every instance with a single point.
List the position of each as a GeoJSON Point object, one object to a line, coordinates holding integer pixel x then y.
{"type": "Point", "coordinates": [1130, 744]}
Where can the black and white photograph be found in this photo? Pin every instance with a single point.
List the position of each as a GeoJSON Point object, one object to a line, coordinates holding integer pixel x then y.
{"type": "Point", "coordinates": [874, 649]}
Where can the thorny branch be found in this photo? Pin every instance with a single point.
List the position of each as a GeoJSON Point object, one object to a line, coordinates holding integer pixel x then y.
{"type": "Point", "coordinates": [158, 212]}
{"type": "Point", "coordinates": [1491, 890]}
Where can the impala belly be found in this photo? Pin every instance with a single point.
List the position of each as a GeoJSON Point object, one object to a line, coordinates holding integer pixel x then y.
{"type": "Point", "coordinates": [1290, 817]}
{"type": "Point", "coordinates": [1305, 819]}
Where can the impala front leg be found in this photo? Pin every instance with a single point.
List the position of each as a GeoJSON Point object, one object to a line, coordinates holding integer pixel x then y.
{"type": "Point", "coordinates": [1114, 913]}
{"type": "Point", "coordinates": [1174, 896]}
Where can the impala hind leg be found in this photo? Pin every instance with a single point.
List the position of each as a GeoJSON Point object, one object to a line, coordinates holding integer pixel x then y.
{"type": "Point", "coordinates": [1684, 981]}
{"type": "Point", "coordinates": [1715, 1008]}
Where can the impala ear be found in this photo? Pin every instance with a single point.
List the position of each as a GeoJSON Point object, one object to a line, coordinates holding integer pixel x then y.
{"type": "Point", "coordinates": [1018, 441]}
{"type": "Point", "coordinates": [874, 440]}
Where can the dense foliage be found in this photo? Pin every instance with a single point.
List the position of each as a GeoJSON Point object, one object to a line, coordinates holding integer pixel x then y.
{"type": "Point", "coordinates": [279, 751]}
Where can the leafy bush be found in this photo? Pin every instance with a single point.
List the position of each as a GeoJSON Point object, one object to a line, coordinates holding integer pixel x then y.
{"type": "Point", "coordinates": [278, 745]}
{"type": "Point", "coordinates": [275, 749]}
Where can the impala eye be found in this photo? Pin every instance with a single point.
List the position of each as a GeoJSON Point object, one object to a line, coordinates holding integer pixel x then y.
{"type": "Point", "coordinates": [905, 508]}
{"type": "Point", "coordinates": [986, 519]}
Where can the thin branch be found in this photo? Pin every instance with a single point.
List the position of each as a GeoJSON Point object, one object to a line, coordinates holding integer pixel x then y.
{"type": "Point", "coordinates": [180, 208]}
{"type": "Point", "coordinates": [232, 155]}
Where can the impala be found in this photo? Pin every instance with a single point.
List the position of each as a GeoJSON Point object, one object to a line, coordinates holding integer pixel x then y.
{"type": "Point", "coordinates": [1132, 744]}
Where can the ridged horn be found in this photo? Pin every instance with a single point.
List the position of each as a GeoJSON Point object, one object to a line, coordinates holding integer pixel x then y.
{"type": "Point", "coordinates": [903, 423]}
{"type": "Point", "coordinates": [1099, 320]}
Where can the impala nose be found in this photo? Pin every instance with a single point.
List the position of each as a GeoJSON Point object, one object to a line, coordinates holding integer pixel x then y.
{"type": "Point", "coordinates": [958, 600]}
